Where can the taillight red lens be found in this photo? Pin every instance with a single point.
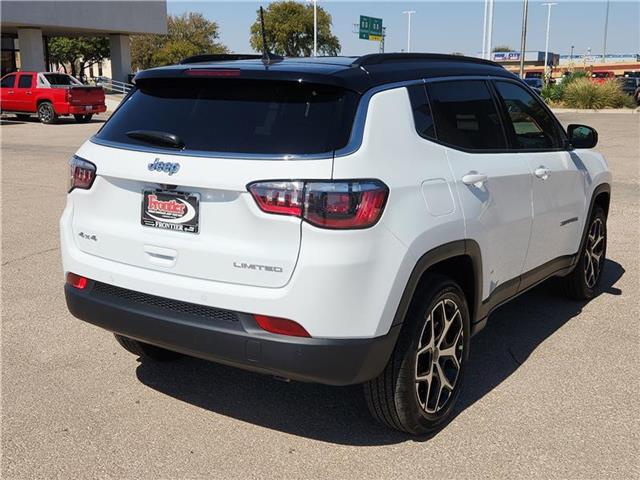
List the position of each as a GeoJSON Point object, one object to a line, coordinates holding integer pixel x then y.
{"type": "Point", "coordinates": [77, 281]}
{"type": "Point", "coordinates": [81, 173]}
{"type": "Point", "coordinates": [284, 198]}
{"type": "Point", "coordinates": [281, 326]}
{"type": "Point", "coordinates": [330, 204]}
{"type": "Point", "coordinates": [355, 204]}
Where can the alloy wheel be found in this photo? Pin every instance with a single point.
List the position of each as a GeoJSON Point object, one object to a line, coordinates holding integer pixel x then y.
{"type": "Point", "coordinates": [45, 113]}
{"type": "Point", "coordinates": [439, 356]}
{"type": "Point", "coordinates": [594, 253]}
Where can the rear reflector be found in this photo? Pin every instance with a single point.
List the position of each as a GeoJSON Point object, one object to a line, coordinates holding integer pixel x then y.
{"type": "Point", "coordinates": [281, 326]}
{"type": "Point", "coordinates": [325, 204]}
{"type": "Point", "coordinates": [77, 281]}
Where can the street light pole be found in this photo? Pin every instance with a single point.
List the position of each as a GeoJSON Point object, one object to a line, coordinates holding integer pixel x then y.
{"type": "Point", "coordinates": [490, 30]}
{"type": "Point", "coordinates": [523, 38]}
{"type": "Point", "coordinates": [315, 28]}
{"type": "Point", "coordinates": [606, 27]}
{"type": "Point", "coordinates": [546, 45]}
{"type": "Point", "coordinates": [484, 29]}
{"type": "Point", "coordinates": [408, 13]}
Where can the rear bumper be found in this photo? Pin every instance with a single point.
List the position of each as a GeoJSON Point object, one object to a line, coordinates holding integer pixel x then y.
{"type": "Point", "coordinates": [233, 338]}
{"type": "Point", "coordinates": [82, 109]}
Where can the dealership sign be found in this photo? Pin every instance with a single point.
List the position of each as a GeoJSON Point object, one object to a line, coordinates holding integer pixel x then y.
{"type": "Point", "coordinates": [506, 56]}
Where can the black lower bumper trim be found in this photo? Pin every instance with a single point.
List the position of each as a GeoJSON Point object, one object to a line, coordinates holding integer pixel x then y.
{"type": "Point", "coordinates": [239, 343]}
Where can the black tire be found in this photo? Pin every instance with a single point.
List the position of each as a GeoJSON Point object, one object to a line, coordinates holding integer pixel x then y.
{"type": "Point", "coordinates": [23, 116]}
{"type": "Point", "coordinates": [582, 283]}
{"type": "Point", "coordinates": [46, 113]}
{"type": "Point", "coordinates": [142, 349]}
{"type": "Point", "coordinates": [83, 118]}
{"type": "Point", "coordinates": [393, 397]}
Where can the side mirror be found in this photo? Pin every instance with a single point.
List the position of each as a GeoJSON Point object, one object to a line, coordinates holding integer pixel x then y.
{"type": "Point", "coordinates": [581, 136]}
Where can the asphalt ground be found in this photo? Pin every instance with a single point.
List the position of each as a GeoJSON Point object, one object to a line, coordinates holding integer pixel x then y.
{"type": "Point", "coordinates": [552, 390]}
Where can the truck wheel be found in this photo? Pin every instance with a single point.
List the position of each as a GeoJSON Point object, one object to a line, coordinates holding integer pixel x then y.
{"type": "Point", "coordinates": [46, 113]}
{"type": "Point", "coordinates": [145, 350]}
{"type": "Point", "coordinates": [582, 282]}
{"type": "Point", "coordinates": [418, 388]}
{"type": "Point", "coordinates": [83, 118]}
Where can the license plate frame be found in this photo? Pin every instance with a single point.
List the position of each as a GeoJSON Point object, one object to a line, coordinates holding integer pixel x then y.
{"type": "Point", "coordinates": [169, 210]}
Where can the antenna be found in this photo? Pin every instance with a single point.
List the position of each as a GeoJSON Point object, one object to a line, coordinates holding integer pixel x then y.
{"type": "Point", "coordinates": [267, 57]}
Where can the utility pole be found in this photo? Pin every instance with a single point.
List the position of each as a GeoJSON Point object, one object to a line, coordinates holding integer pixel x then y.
{"type": "Point", "coordinates": [546, 44]}
{"type": "Point", "coordinates": [606, 27]}
{"type": "Point", "coordinates": [408, 13]}
{"type": "Point", "coordinates": [523, 38]}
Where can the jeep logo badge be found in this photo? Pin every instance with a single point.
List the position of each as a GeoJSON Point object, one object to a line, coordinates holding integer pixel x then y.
{"type": "Point", "coordinates": [166, 167]}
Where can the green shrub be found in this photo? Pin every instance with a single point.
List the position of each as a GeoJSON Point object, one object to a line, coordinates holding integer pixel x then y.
{"type": "Point", "coordinates": [552, 93]}
{"type": "Point", "coordinates": [583, 93]}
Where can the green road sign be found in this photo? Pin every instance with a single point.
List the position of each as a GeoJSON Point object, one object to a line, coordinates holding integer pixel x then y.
{"type": "Point", "coordinates": [370, 28]}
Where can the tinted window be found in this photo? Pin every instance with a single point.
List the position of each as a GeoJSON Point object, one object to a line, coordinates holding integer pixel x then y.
{"type": "Point", "coordinates": [531, 126]}
{"type": "Point", "coordinates": [60, 79]}
{"type": "Point", "coordinates": [8, 82]}
{"type": "Point", "coordinates": [243, 116]}
{"type": "Point", "coordinates": [25, 81]}
{"type": "Point", "coordinates": [466, 115]}
{"type": "Point", "coordinates": [421, 111]}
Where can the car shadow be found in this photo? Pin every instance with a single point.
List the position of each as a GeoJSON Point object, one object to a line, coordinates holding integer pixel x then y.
{"type": "Point", "coordinates": [339, 414]}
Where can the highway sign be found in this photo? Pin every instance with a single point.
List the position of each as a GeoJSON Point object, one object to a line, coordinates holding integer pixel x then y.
{"type": "Point", "coordinates": [370, 28]}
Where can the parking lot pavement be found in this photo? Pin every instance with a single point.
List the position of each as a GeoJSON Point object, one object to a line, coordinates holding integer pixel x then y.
{"type": "Point", "coordinates": [552, 392]}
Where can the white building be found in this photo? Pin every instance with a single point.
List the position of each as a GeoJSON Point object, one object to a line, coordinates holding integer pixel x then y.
{"type": "Point", "coordinates": [26, 25]}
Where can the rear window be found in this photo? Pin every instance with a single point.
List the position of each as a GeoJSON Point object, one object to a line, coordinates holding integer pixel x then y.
{"type": "Point", "coordinates": [237, 116]}
{"type": "Point", "coordinates": [60, 80]}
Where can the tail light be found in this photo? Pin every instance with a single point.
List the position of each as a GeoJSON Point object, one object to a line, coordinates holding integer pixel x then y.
{"type": "Point", "coordinates": [281, 326]}
{"type": "Point", "coordinates": [326, 204]}
{"type": "Point", "coordinates": [81, 173]}
{"type": "Point", "coordinates": [77, 281]}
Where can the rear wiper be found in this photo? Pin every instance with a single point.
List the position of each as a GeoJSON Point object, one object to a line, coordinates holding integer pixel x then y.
{"type": "Point", "coordinates": [157, 138]}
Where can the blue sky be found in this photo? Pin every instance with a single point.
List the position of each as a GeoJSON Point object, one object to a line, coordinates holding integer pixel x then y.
{"type": "Point", "coordinates": [451, 26]}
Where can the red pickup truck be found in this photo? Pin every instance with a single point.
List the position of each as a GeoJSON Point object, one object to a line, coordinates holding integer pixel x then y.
{"type": "Point", "coordinates": [49, 95]}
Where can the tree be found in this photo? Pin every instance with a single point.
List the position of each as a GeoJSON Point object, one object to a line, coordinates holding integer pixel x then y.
{"type": "Point", "coordinates": [289, 30]}
{"type": "Point", "coordinates": [187, 34]}
{"type": "Point", "coordinates": [502, 48]}
{"type": "Point", "coordinates": [78, 52]}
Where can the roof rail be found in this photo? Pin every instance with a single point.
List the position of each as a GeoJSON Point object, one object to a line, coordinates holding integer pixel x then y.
{"type": "Point", "coordinates": [219, 57]}
{"type": "Point", "coordinates": [378, 58]}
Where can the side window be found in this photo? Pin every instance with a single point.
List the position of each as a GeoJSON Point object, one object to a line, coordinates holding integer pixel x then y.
{"type": "Point", "coordinates": [531, 126]}
{"type": "Point", "coordinates": [422, 116]}
{"type": "Point", "coordinates": [466, 115]}
{"type": "Point", "coordinates": [8, 81]}
{"type": "Point", "coordinates": [25, 81]}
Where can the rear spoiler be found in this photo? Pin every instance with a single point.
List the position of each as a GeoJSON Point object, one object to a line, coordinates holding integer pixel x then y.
{"type": "Point", "coordinates": [255, 70]}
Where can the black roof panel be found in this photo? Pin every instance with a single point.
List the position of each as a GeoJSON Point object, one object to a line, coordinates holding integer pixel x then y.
{"type": "Point", "coordinates": [355, 73]}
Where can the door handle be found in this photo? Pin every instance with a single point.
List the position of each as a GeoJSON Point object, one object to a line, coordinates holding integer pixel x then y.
{"type": "Point", "coordinates": [542, 172]}
{"type": "Point", "coordinates": [27, 93]}
{"type": "Point", "coordinates": [474, 178]}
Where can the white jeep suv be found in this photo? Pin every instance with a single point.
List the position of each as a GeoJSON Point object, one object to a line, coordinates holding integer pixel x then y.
{"type": "Point", "coordinates": [337, 220]}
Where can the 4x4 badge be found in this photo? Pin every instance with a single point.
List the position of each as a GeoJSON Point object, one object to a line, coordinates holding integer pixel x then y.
{"type": "Point", "coordinates": [167, 167]}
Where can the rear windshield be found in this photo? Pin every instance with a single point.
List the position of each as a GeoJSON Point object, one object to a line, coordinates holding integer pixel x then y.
{"type": "Point", "coordinates": [238, 116]}
{"type": "Point", "coordinates": [60, 80]}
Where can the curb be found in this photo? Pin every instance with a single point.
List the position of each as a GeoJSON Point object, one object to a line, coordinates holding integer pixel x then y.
{"type": "Point", "coordinates": [590, 110]}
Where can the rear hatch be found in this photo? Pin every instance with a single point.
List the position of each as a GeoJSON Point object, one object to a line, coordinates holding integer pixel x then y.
{"type": "Point", "coordinates": [182, 205]}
